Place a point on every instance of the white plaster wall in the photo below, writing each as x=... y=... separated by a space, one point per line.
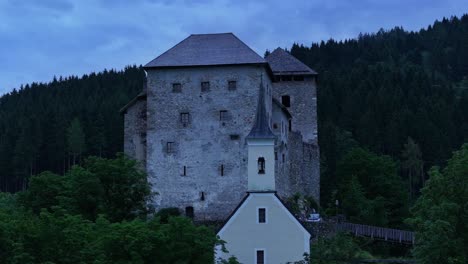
x=261 y=148
x=282 y=237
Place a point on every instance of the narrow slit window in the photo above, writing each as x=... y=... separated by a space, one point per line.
x=262 y=215
x=260 y=257
x=185 y=119
x=205 y=86
x=184 y=171
x=202 y=196
x=276 y=155
x=170 y=147
x=221 y=168
x=290 y=125
x=286 y=100
x=232 y=85
x=261 y=165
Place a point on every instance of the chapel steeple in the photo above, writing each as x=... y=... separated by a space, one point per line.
x=261 y=144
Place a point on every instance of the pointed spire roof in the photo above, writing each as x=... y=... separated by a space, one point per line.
x=261 y=128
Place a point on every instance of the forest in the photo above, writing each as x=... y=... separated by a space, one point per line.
x=392 y=118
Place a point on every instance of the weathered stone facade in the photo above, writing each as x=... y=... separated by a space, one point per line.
x=303 y=150
x=190 y=133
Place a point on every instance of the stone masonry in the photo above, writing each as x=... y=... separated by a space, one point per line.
x=188 y=127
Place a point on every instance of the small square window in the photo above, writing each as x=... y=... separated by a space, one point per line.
x=223 y=115
x=262 y=215
x=185 y=119
x=275 y=126
x=205 y=86
x=232 y=85
x=170 y=147
x=234 y=137
x=176 y=88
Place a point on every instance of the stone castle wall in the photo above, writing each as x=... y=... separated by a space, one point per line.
x=303 y=150
x=206 y=143
x=135 y=132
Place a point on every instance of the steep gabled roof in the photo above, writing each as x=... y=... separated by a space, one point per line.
x=243 y=202
x=207 y=49
x=283 y=63
x=261 y=128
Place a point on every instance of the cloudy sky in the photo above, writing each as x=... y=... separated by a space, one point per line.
x=43 y=38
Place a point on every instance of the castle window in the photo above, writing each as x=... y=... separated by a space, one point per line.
x=286 y=78
x=170 y=147
x=261 y=165
x=202 y=196
x=189 y=212
x=221 y=168
x=232 y=85
x=286 y=100
x=185 y=119
x=234 y=137
x=276 y=155
x=299 y=78
x=176 y=88
x=275 y=126
x=223 y=115
x=261 y=215
x=260 y=257
x=290 y=125
x=184 y=171
x=205 y=86
x=283 y=157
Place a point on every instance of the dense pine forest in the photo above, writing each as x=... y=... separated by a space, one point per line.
x=52 y=126
x=393 y=118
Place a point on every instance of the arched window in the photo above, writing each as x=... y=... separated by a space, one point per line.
x=261 y=165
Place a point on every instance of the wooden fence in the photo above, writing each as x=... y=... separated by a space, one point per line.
x=375 y=232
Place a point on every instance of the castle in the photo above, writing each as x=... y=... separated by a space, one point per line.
x=188 y=127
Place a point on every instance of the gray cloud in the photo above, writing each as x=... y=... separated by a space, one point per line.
x=40 y=39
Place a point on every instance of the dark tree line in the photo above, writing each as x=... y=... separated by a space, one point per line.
x=398 y=93
x=52 y=126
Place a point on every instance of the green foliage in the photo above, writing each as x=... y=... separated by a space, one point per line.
x=95 y=214
x=116 y=188
x=339 y=249
x=440 y=215
x=44 y=192
x=370 y=190
x=165 y=213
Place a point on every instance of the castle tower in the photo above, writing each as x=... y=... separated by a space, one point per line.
x=261 y=150
x=295 y=87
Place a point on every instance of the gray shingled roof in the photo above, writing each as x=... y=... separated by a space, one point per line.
x=261 y=128
x=207 y=49
x=283 y=63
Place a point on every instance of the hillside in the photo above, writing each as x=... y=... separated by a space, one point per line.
x=374 y=91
